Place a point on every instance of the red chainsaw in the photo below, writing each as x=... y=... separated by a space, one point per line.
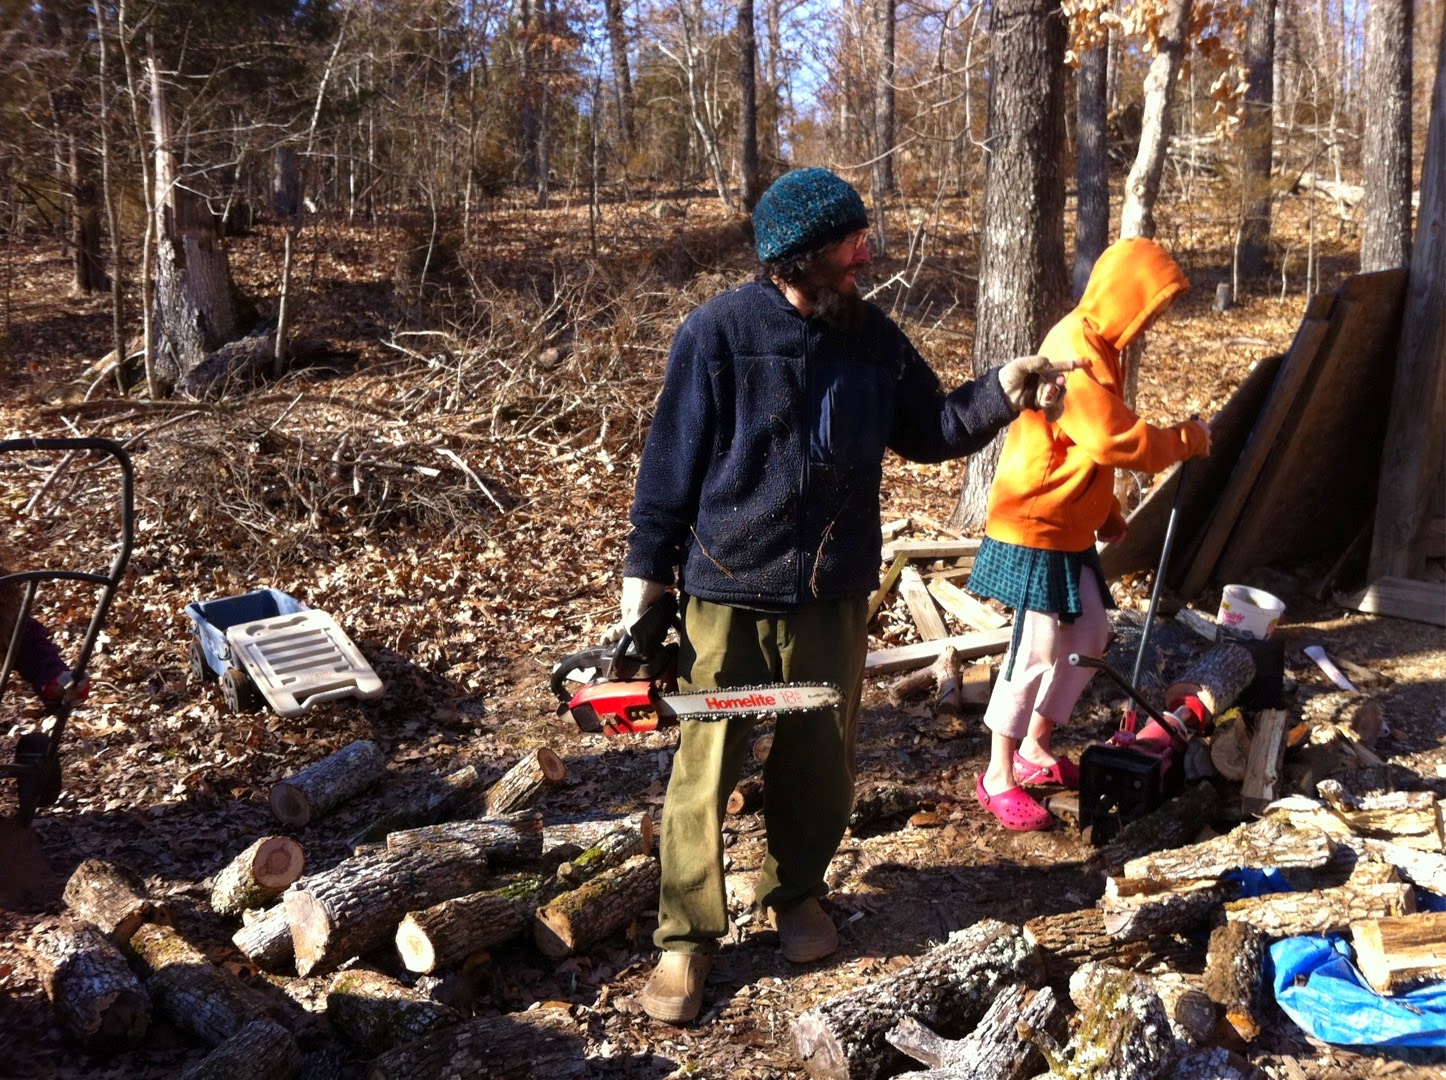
x=632 y=686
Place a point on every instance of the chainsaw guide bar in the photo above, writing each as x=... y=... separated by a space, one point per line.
x=615 y=708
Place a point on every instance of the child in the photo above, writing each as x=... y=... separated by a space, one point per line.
x=1052 y=498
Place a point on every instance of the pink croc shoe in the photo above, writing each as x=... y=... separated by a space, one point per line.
x=1014 y=808
x=1063 y=772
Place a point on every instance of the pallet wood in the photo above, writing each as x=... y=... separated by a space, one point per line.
x=1395 y=953
x=375 y=1013
x=1403 y=598
x=257 y=876
x=112 y=898
x=932 y=549
x=1235 y=976
x=921 y=606
x=426 y=806
x=994 y=1050
x=514 y=1046
x=1262 y=784
x=356 y=906
x=886 y=582
x=199 y=997
x=1321 y=479
x=521 y=785
x=1271 y=843
x=578 y=919
x=1322 y=911
x=1199 y=561
x=965 y=608
x=1205 y=478
x=950 y=986
x=96 y=996
x=513 y=839
x=921 y=654
x=324 y=785
x=265 y=938
x=443 y=935
x=262 y=1050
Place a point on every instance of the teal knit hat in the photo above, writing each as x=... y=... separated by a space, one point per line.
x=803 y=210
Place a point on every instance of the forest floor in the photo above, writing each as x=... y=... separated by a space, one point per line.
x=533 y=357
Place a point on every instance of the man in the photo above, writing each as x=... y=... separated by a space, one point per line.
x=758 y=493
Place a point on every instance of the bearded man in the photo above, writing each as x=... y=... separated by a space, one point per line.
x=758 y=498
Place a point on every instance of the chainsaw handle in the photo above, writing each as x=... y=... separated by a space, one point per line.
x=596 y=657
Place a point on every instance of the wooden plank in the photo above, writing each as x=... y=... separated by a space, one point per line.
x=1413 y=449
x=1401 y=598
x=932 y=549
x=1261 y=785
x=1196 y=567
x=921 y=605
x=891 y=529
x=1205 y=479
x=886 y=583
x=949 y=573
x=969 y=646
x=964 y=607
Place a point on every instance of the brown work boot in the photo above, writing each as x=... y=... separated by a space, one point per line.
x=674 y=993
x=806 y=932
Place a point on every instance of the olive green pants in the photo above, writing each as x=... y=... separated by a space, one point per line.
x=808 y=780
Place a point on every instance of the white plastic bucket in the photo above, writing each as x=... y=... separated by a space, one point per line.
x=1248 y=612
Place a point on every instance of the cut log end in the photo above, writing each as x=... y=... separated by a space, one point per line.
x=415 y=947
x=278 y=862
x=554 y=769
x=290 y=805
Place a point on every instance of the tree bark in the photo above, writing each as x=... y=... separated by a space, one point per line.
x=96 y=996
x=375 y=1013
x=424 y=807
x=1255 y=137
x=1178 y=822
x=324 y=785
x=511 y=1046
x=520 y=787
x=1271 y=843
x=1124 y=1028
x=1386 y=137
x=1235 y=975
x=1217 y=678
x=262 y=1050
x=1071 y=938
x=113 y=898
x=995 y=1049
x=1142 y=186
x=265 y=938
x=884 y=182
x=574 y=837
x=1022 y=284
x=578 y=919
x=1132 y=915
x=949 y=987
x=510 y=840
x=1092 y=203
x=200 y=998
x=622 y=81
x=445 y=934
x=1326 y=911
x=750 y=182
x=257 y=876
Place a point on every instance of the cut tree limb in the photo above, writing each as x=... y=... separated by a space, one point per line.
x=265 y=938
x=1175 y=823
x=257 y=876
x=746 y=797
x=994 y=1050
x=509 y=840
x=445 y=934
x=520 y=786
x=262 y=1050
x=1217 y=678
x=1140 y=915
x=1235 y=976
x=425 y=807
x=575 y=837
x=1324 y=911
x=904 y=657
x=113 y=898
x=1124 y=1030
x=513 y=1046
x=1271 y=843
x=205 y=1000
x=1395 y=953
x=324 y=785
x=96 y=995
x=1190 y=1012
x=375 y=1013
x=578 y=919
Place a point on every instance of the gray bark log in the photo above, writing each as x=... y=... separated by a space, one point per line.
x=257 y=876
x=515 y=1046
x=584 y=916
x=96 y=996
x=376 y=1013
x=326 y=784
x=444 y=934
x=994 y=1050
x=262 y=1050
x=425 y=807
x=200 y=998
x=265 y=938
x=112 y=898
x=1235 y=976
x=510 y=840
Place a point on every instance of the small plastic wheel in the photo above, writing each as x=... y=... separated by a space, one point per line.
x=40 y=784
x=239 y=691
x=199 y=667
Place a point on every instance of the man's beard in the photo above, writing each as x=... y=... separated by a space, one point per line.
x=840 y=309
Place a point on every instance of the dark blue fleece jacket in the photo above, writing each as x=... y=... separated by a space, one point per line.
x=761 y=473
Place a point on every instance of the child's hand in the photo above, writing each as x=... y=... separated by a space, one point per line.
x=1195 y=434
x=1114 y=528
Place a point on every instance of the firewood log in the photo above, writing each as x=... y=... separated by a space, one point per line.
x=205 y=1000
x=579 y=918
x=112 y=898
x=374 y=1012
x=1262 y=785
x=1070 y=938
x=878 y=802
x=994 y=1050
x=424 y=807
x=1235 y=976
x=1410 y=818
x=747 y=797
x=1394 y=953
x=1262 y=845
x=950 y=986
x=612 y=849
x=509 y=840
x=323 y=786
x=440 y=936
x=356 y=905
x=1190 y=1012
x=512 y=1046
x=1217 y=678
x=519 y=787
x=583 y=834
x=1325 y=911
x=262 y=1050
x=1230 y=750
x=1177 y=822
x=1135 y=910
x=97 y=997
x=1214 y=1063
x=1424 y=869
x=265 y=938
x=1124 y=1029
x=257 y=876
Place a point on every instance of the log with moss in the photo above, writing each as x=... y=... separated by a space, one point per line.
x=510 y=840
x=1123 y=1030
x=582 y=833
x=324 y=785
x=112 y=898
x=199 y=997
x=520 y=786
x=257 y=876
x=511 y=1046
x=583 y=916
x=429 y=804
x=96 y=996
x=262 y=1050
x=265 y=938
x=444 y=934
x=1179 y=821
x=374 y=1012
x=948 y=988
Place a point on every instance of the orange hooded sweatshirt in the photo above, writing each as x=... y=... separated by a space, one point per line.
x=1054 y=487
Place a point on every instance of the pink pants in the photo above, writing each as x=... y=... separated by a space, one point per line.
x=1042 y=680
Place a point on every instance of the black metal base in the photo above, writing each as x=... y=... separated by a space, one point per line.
x=1116 y=786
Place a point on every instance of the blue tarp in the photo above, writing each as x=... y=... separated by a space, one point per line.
x=1320 y=988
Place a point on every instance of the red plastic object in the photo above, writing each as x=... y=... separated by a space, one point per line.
x=617 y=708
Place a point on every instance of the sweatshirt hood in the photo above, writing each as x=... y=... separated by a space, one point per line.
x=1132 y=280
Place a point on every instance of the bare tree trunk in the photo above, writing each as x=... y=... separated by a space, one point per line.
x=1256 y=130
x=1143 y=184
x=1386 y=145
x=528 y=92
x=622 y=80
x=750 y=186
x=883 y=171
x=108 y=197
x=1022 y=283
x=1092 y=227
x=547 y=14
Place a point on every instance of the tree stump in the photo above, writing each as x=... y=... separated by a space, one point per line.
x=519 y=787
x=992 y=1051
x=444 y=934
x=323 y=786
x=265 y=938
x=96 y=996
x=577 y=919
x=257 y=876
x=948 y=988
x=210 y=1003
x=262 y=1050
x=356 y=905
x=510 y=840
x=112 y=898
x=424 y=807
x=1235 y=976
x=513 y=1046
x=1324 y=911
x=375 y=1013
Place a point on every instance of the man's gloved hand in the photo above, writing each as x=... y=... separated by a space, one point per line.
x=639 y=594
x=1036 y=382
x=64 y=690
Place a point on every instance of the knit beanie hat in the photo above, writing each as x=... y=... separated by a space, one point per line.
x=803 y=210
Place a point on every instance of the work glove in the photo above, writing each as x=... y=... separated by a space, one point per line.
x=65 y=690
x=1036 y=382
x=639 y=594
x=1195 y=434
